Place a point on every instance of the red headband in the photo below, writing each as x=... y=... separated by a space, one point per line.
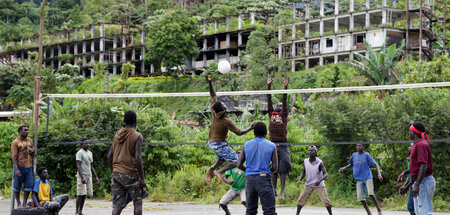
x=275 y=113
x=422 y=134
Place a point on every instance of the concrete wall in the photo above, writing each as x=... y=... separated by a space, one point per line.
x=323 y=45
x=344 y=43
x=375 y=37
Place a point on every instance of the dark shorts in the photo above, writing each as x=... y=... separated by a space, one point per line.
x=121 y=185
x=284 y=159
x=26 y=179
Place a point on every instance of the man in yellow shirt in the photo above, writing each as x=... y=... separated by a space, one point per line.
x=42 y=194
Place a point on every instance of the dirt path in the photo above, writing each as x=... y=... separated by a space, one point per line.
x=98 y=207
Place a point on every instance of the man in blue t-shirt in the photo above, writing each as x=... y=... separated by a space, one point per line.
x=259 y=153
x=361 y=162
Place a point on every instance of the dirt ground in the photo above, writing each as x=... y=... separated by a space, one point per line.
x=99 y=207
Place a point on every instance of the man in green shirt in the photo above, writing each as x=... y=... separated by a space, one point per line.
x=237 y=187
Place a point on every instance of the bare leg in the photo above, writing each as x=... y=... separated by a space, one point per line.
x=210 y=170
x=364 y=203
x=17 y=197
x=299 y=208
x=225 y=208
x=80 y=204
x=376 y=203
x=283 y=184
x=25 y=198
x=225 y=168
x=138 y=208
x=274 y=183
x=329 y=210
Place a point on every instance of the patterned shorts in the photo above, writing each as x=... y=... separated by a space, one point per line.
x=121 y=185
x=223 y=151
x=51 y=205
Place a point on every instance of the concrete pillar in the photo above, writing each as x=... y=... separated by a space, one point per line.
x=306 y=63
x=383 y=3
x=152 y=68
x=307 y=11
x=205 y=60
x=59 y=36
x=216 y=57
x=367 y=54
x=321 y=27
x=75 y=53
x=228 y=23
x=205 y=44
x=294 y=31
x=351 y=23
x=239 y=39
x=293 y=49
x=92 y=51
x=124 y=45
x=22 y=56
x=252 y=18
x=59 y=54
x=394 y=4
x=322 y=9
x=336 y=25
x=216 y=43
x=76 y=33
x=307 y=29
x=367 y=20
x=240 y=21
x=336 y=59
x=67 y=35
x=21 y=42
x=351 y=56
x=293 y=66
x=142 y=52
x=216 y=26
x=52 y=56
x=280 y=51
x=336 y=43
x=133 y=58
x=336 y=7
x=383 y=18
x=205 y=28
x=280 y=34
x=228 y=40
x=37 y=41
x=307 y=47
x=44 y=53
x=228 y=55
x=367 y=4
x=352 y=6
x=84 y=33
x=114 y=53
x=92 y=31
x=102 y=43
x=321 y=61
x=83 y=50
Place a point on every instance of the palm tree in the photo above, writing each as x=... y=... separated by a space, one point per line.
x=100 y=69
x=381 y=66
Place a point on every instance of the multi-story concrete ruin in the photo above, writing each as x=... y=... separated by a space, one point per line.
x=321 y=31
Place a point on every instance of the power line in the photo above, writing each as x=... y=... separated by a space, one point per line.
x=255 y=92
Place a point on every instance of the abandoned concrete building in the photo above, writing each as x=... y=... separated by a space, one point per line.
x=322 y=31
x=332 y=31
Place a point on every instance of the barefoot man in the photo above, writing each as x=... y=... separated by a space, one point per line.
x=218 y=133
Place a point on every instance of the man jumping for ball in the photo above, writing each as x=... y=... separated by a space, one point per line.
x=218 y=133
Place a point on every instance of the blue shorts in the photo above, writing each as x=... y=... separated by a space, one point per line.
x=26 y=179
x=223 y=151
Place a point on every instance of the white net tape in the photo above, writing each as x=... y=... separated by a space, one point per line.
x=255 y=92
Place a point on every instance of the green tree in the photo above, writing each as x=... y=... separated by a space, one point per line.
x=171 y=40
x=258 y=56
x=381 y=66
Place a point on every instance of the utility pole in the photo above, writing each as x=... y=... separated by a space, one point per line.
x=38 y=85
